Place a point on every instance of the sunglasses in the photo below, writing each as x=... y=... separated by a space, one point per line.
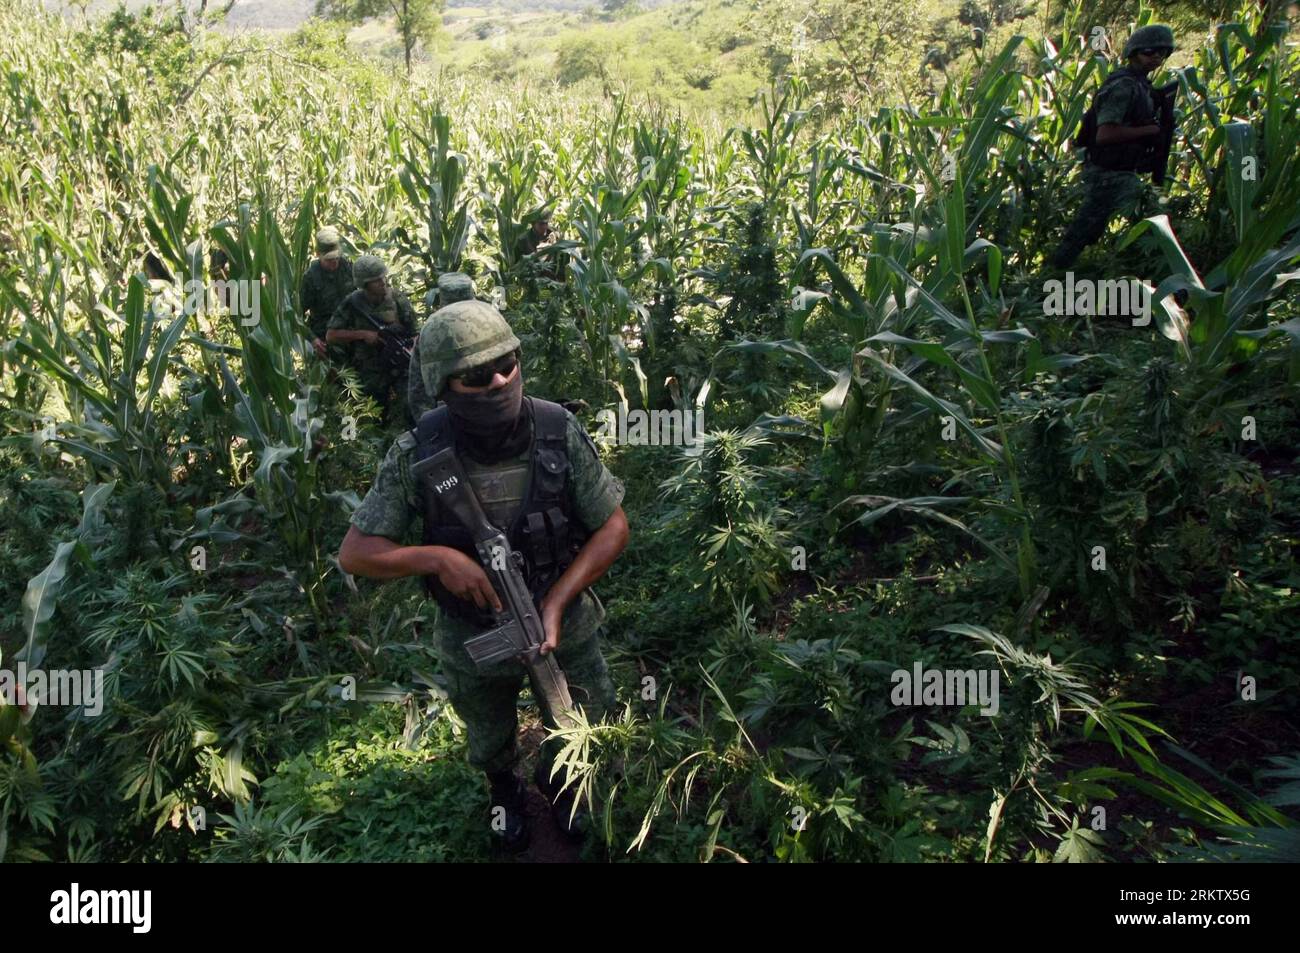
x=482 y=376
x=1160 y=51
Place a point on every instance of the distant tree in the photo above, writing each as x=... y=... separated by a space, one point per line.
x=197 y=14
x=417 y=21
x=581 y=56
x=617 y=7
x=852 y=48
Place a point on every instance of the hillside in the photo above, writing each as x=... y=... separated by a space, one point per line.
x=713 y=55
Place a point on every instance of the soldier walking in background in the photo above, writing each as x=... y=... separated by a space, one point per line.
x=1128 y=135
x=377 y=324
x=327 y=282
x=537 y=246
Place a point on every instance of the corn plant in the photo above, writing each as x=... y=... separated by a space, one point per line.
x=112 y=390
x=275 y=408
x=508 y=193
x=433 y=178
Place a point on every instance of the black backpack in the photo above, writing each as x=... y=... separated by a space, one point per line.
x=1086 y=137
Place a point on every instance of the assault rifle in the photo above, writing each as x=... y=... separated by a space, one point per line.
x=519 y=633
x=1156 y=158
x=396 y=344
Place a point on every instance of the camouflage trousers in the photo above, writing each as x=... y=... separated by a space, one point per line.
x=1105 y=192
x=487 y=701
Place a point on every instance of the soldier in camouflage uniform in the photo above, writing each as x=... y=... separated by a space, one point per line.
x=327 y=282
x=1126 y=126
x=452 y=287
x=537 y=247
x=538 y=232
x=509 y=445
x=351 y=326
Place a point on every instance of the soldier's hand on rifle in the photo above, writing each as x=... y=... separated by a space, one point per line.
x=552 y=614
x=373 y=337
x=464 y=578
x=319 y=346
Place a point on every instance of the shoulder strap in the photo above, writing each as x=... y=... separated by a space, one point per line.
x=550 y=424
x=432 y=432
x=1121 y=74
x=546 y=530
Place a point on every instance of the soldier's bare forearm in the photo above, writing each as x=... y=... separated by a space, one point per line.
x=378 y=557
x=592 y=561
x=343 y=337
x=1111 y=134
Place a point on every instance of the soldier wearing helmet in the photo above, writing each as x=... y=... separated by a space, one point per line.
x=1125 y=120
x=540 y=478
x=362 y=320
x=536 y=247
x=452 y=287
x=324 y=286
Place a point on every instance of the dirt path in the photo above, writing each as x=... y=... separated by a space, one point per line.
x=548 y=845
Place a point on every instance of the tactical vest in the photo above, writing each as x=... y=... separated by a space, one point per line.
x=544 y=532
x=1124 y=156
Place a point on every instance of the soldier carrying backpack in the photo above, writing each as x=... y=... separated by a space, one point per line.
x=1127 y=130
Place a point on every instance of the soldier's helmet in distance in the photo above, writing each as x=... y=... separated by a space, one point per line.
x=367 y=268
x=1152 y=35
x=328 y=243
x=452 y=286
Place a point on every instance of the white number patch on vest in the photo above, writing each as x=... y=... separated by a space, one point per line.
x=446 y=484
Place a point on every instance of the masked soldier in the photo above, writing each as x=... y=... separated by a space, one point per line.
x=378 y=324
x=452 y=287
x=327 y=282
x=539 y=478
x=1127 y=133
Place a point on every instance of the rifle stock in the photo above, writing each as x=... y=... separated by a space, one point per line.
x=1157 y=160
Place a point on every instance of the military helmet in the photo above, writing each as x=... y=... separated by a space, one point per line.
x=454 y=286
x=462 y=335
x=327 y=243
x=367 y=268
x=1153 y=35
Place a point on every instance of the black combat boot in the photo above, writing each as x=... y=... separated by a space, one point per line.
x=561 y=803
x=509 y=792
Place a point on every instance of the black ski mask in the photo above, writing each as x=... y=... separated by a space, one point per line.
x=488 y=424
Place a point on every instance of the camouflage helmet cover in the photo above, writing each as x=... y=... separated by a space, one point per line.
x=462 y=335
x=1153 y=35
x=327 y=243
x=454 y=286
x=367 y=268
